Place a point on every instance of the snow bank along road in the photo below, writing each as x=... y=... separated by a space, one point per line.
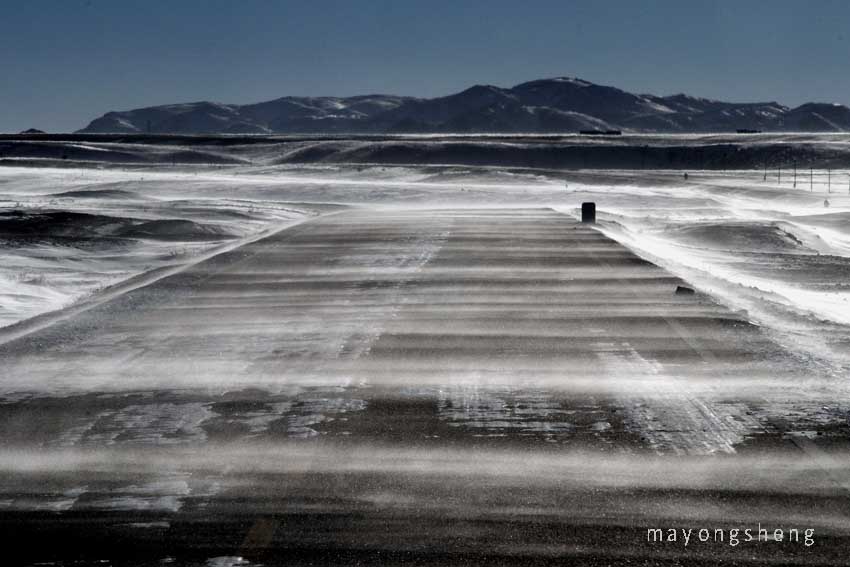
x=439 y=386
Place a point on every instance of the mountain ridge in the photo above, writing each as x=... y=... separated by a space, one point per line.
x=559 y=104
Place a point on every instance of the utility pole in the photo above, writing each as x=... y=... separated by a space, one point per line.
x=779 y=175
x=829 y=181
x=765 y=172
x=795 y=174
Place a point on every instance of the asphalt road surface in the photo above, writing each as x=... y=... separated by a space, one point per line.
x=480 y=387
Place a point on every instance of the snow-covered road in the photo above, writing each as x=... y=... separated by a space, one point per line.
x=431 y=358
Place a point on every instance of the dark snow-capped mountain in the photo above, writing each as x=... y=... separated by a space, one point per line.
x=549 y=105
x=286 y=114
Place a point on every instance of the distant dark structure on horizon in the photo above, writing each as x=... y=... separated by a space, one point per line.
x=747 y=131
x=600 y=132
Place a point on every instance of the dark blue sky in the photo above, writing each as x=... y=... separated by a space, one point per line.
x=64 y=62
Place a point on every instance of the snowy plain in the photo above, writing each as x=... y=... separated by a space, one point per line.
x=329 y=379
x=751 y=239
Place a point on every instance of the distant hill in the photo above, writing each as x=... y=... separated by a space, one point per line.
x=549 y=105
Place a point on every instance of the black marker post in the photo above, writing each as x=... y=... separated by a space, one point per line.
x=588 y=212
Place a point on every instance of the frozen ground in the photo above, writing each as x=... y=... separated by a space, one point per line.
x=429 y=364
x=778 y=252
x=759 y=245
x=67 y=234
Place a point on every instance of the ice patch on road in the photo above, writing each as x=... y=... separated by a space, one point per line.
x=226 y=561
x=147 y=424
x=672 y=420
x=497 y=411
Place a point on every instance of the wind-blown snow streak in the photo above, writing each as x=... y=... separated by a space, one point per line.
x=445 y=357
x=777 y=253
x=64 y=246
